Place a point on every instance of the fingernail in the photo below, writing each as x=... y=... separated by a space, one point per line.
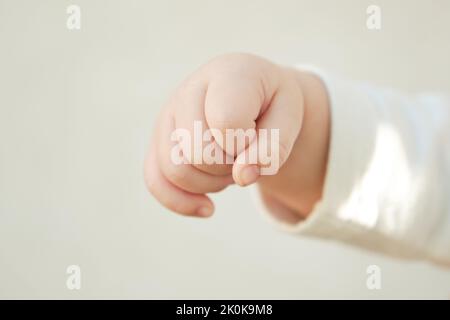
x=205 y=211
x=249 y=174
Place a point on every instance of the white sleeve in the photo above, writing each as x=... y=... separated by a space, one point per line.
x=387 y=186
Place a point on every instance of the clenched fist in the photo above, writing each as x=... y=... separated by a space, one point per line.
x=247 y=95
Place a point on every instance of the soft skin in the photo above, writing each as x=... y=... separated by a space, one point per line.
x=244 y=91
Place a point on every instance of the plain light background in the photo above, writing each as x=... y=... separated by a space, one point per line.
x=76 y=111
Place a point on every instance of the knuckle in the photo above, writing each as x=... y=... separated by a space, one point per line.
x=177 y=173
x=150 y=182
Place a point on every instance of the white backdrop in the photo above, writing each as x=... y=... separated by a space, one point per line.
x=76 y=110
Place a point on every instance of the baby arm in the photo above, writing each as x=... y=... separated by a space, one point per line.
x=360 y=164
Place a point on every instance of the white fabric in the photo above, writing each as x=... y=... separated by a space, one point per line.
x=387 y=185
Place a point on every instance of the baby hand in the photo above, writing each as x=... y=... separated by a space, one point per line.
x=239 y=92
